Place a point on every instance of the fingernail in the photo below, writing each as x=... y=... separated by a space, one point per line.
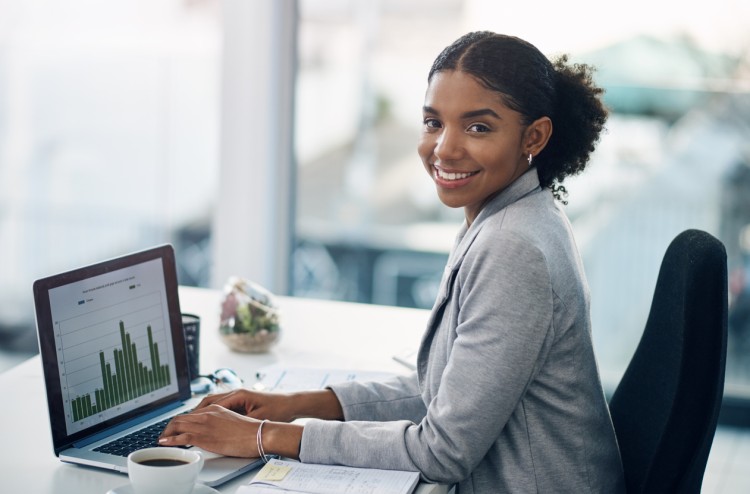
x=163 y=440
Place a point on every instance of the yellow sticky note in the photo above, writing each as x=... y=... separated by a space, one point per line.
x=273 y=473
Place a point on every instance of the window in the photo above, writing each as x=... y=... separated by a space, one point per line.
x=370 y=228
x=108 y=139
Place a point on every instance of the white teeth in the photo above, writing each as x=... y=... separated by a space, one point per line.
x=451 y=176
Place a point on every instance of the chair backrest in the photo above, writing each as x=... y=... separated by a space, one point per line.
x=666 y=406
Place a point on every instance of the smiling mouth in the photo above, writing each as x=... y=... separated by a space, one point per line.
x=443 y=175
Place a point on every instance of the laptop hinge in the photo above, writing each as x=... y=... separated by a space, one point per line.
x=126 y=425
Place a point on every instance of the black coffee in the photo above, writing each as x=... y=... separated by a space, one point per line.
x=163 y=462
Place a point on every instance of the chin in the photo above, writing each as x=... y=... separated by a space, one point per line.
x=451 y=202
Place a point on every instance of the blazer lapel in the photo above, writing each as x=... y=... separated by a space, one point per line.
x=524 y=185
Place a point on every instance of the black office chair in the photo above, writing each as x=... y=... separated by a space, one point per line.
x=666 y=406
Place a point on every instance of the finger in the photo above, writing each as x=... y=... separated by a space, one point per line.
x=177 y=424
x=209 y=400
x=232 y=400
x=180 y=433
x=217 y=430
x=170 y=429
x=178 y=440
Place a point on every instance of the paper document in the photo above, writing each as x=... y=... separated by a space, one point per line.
x=286 y=379
x=282 y=475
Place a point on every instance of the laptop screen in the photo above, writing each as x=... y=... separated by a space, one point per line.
x=111 y=340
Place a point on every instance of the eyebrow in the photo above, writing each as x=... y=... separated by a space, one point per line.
x=469 y=114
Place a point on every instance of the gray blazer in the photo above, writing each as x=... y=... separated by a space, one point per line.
x=507 y=395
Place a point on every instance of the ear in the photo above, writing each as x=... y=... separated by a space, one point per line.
x=537 y=135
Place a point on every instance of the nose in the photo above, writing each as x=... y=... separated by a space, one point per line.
x=449 y=145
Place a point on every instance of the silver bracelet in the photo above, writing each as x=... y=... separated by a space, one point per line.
x=259 y=439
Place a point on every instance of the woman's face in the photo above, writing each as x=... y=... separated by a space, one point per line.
x=471 y=143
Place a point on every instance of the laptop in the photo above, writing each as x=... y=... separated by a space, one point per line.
x=115 y=362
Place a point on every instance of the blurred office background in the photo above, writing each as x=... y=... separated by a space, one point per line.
x=276 y=140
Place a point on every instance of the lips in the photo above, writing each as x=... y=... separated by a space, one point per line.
x=445 y=176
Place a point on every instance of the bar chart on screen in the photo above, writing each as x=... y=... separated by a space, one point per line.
x=131 y=379
x=112 y=355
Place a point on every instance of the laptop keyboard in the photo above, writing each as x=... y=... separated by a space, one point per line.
x=147 y=437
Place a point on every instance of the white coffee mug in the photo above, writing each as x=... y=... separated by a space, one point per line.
x=160 y=470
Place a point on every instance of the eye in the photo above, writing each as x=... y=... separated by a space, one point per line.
x=478 y=128
x=432 y=123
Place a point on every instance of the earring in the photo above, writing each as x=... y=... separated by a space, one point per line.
x=530 y=159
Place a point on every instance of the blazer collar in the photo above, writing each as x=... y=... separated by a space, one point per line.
x=521 y=187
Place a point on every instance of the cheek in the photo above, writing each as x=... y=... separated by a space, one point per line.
x=425 y=147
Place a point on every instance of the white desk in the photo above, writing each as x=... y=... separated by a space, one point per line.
x=315 y=333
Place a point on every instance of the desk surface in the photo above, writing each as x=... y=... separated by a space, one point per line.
x=314 y=333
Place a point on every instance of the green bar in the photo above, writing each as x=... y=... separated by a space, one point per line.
x=128 y=367
x=110 y=388
x=144 y=379
x=130 y=362
x=118 y=374
x=139 y=389
x=87 y=408
x=115 y=392
x=134 y=366
x=105 y=401
x=120 y=369
x=157 y=367
x=147 y=379
x=166 y=375
x=152 y=374
x=136 y=371
x=124 y=362
x=74 y=407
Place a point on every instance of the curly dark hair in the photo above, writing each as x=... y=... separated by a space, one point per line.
x=532 y=85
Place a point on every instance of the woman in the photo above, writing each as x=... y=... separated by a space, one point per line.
x=507 y=396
